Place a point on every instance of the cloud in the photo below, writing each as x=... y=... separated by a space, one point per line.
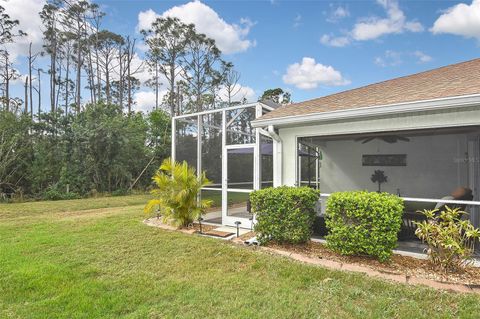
x=332 y=41
x=26 y=12
x=309 y=75
x=461 y=19
x=230 y=38
x=145 y=100
x=146 y=18
x=297 y=21
x=337 y=13
x=395 y=58
x=422 y=57
x=395 y=22
x=371 y=28
x=242 y=92
x=389 y=58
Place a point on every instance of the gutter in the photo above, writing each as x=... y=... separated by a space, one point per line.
x=372 y=111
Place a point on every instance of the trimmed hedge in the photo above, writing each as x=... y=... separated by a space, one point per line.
x=363 y=223
x=284 y=214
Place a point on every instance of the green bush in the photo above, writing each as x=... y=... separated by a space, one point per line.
x=450 y=239
x=52 y=193
x=284 y=214
x=363 y=223
x=121 y=192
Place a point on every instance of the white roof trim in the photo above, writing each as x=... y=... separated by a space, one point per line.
x=229 y=108
x=371 y=111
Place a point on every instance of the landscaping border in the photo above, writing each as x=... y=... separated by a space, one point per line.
x=400 y=278
x=342 y=266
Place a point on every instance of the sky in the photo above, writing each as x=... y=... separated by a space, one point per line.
x=308 y=48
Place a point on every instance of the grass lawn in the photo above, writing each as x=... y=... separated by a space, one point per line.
x=93 y=258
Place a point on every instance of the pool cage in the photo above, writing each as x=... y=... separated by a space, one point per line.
x=236 y=157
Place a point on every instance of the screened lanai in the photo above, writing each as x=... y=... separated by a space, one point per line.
x=236 y=157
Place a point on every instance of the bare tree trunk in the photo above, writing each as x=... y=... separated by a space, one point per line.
x=121 y=78
x=7 y=84
x=30 y=65
x=107 y=79
x=156 y=86
x=26 y=95
x=67 y=83
x=79 y=77
x=172 y=90
x=91 y=78
x=59 y=88
x=39 y=94
x=53 y=76
x=129 y=83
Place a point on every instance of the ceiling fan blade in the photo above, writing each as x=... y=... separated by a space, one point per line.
x=368 y=139
x=405 y=139
x=389 y=139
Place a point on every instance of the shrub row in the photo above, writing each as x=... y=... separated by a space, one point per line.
x=359 y=222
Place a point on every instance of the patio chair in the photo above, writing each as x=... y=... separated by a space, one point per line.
x=407 y=231
x=460 y=193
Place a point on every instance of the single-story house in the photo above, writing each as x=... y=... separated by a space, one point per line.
x=421 y=132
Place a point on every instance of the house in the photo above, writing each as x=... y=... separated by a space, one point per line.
x=421 y=131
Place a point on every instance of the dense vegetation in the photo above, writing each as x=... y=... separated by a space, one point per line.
x=284 y=214
x=363 y=223
x=100 y=149
x=68 y=120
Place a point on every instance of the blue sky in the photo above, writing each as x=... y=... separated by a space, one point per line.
x=315 y=48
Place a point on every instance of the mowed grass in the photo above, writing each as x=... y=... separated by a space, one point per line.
x=94 y=258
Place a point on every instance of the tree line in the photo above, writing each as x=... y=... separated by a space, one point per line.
x=89 y=64
x=84 y=137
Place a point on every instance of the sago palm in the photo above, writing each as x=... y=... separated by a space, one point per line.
x=177 y=193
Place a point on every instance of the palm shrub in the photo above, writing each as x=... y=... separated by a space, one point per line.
x=363 y=223
x=177 y=190
x=450 y=239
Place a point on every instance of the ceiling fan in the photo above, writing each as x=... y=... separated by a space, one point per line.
x=386 y=138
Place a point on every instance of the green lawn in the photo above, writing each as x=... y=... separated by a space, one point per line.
x=94 y=258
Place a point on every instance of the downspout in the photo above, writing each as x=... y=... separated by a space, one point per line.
x=277 y=156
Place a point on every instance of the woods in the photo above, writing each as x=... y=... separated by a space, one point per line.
x=70 y=128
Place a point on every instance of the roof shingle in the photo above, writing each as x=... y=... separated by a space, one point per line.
x=448 y=81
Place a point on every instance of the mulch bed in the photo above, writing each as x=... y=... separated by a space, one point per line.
x=217 y=233
x=193 y=228
x=401 y=265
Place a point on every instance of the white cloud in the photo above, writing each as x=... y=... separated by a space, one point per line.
x=145 y=100
x=395 y=22
x=332 y=41
x=395 y=58
x=297 y=21
x=309 y=75
x=390 y=58
x=371 y=28
x=26 y=12
x=146 y=18
x=241 y=92
x=422 y=57
x=337 y=13
x=230 y=38
x=461 y=19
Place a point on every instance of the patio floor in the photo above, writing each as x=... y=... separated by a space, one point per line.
x=215 y=217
